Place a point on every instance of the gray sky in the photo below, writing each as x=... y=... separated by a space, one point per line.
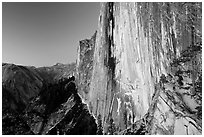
x=42 y=34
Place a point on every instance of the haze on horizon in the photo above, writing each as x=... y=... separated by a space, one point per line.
x=45 y=33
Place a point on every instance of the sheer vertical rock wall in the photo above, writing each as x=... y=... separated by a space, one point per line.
x=85 y=64
x=135 y=44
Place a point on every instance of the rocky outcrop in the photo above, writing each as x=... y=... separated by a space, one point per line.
x=59 y=110
x=84 y=63
x=136 y=49
x=19 y=85
x=139 y=74
x=43 y=101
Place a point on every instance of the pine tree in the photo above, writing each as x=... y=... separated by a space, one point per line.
x=99 y=127
x=112 y=127
x=125 y=117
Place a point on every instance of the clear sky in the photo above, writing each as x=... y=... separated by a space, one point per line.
x=43 y=34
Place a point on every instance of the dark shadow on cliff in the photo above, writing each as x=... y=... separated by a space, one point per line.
x=58 y=109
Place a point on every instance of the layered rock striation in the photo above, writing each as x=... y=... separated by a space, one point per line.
x=137 y=48
x=84 y=63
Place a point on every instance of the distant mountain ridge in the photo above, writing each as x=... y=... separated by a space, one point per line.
x=19 y=85
x=22 y=83
x=53 y=73
x=43 y=101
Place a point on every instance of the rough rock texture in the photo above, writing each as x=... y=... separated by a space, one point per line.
x=37 y=100
x=137 y=47
x=84 y=67
x=19 y=85
x=13 y=124
x=59 y=110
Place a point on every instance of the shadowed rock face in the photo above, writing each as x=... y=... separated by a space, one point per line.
x=53 y=107
x=137 y=47
x=59 y=110
x=22 y=83
x=19 y=85
x=140 y=74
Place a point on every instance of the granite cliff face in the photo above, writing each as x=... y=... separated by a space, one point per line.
x=85 y=64
x=146 y=68
x=140 y=73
